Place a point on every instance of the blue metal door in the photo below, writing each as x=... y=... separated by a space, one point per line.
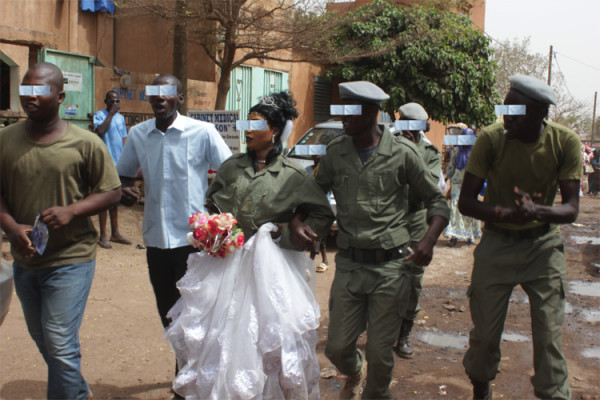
x=239 y=97
x=272 y=82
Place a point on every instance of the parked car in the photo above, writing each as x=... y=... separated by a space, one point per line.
x=321 y=133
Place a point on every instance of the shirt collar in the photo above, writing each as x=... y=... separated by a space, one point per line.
x=178 y=123
x=384 y=147
x=274 y=167
x=385 y=144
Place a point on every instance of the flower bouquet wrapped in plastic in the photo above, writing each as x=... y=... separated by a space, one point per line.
x=216 y=234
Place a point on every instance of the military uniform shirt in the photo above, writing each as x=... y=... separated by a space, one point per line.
x=533 y=167
x=269 y=195
x=372 y=199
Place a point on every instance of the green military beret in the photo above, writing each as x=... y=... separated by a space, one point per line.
x=533 y=88
x=362 y=91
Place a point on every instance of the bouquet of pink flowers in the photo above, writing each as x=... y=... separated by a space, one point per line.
x=215 y=234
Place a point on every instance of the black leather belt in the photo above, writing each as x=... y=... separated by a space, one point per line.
x=523 y=233
x=374 y=256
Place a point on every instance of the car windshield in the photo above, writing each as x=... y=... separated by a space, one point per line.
x=312 y=137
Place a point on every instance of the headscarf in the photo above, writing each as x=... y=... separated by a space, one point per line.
x=463 y=151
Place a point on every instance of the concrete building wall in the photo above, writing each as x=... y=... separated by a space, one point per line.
x=141 y=45
x=145 y=44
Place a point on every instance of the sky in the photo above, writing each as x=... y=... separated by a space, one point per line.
x=570 y=26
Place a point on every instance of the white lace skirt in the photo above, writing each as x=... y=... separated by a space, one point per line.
x=245 y=326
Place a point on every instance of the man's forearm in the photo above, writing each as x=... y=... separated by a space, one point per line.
x=471 y=207
x=103 y=127
x=96 y=203
x=436 y=227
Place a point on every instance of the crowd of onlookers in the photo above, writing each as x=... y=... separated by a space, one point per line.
x=590 y=184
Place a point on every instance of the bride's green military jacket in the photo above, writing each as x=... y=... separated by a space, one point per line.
x=270 y=195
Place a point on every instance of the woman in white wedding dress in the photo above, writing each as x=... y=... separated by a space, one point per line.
x=245 y=326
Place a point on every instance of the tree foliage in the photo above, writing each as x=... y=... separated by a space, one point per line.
x=514 y=57
x=423 y=54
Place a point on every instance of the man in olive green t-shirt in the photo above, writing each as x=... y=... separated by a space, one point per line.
x=525 y=160
x=65 y=174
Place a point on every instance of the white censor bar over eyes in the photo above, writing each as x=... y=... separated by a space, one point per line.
x=513 y=109
x=251 y=125
x=345 y=109
x=410 y=125
x=310 y=149
x=34 y=90
x=459 y=140
x=161 y=90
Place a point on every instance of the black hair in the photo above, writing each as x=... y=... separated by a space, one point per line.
x=172 y=79
x=277 y=108
x=52 y=73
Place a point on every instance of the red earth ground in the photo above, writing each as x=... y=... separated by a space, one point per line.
x=126 y=357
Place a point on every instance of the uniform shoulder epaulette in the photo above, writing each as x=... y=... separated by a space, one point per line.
x=402 y=141
x=234 y=157
x=337 y=140
x=430 y=146
x=292 y=164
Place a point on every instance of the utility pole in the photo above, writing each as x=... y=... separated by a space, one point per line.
x=550 y=66
x=594 y=118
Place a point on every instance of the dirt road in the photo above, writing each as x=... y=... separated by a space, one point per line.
x=126 y=357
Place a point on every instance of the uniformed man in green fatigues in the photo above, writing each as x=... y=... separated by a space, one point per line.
x=370 y=171
x=417 y=216
x=524 y=161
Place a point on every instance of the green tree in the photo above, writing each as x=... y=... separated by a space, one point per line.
x=423 y=54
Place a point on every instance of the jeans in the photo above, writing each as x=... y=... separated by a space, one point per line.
x=53 y=302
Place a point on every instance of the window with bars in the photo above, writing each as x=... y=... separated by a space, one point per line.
x=322 y=99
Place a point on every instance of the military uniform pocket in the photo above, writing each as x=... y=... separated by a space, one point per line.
x=383 y=186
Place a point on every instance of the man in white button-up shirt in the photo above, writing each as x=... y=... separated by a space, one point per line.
x=174 y=153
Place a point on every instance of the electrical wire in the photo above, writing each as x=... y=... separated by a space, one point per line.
x=554 y=52
x=554 y=55
x=577 y=61
x=564 y=80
